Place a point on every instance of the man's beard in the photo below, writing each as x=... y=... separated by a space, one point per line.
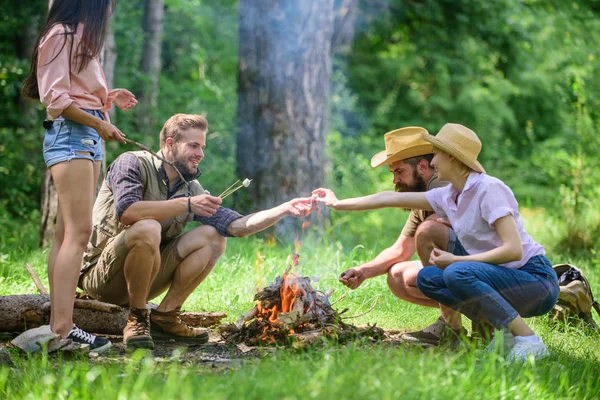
x=418 y=185
x=181 y=164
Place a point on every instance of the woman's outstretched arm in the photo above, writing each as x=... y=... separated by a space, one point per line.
x=415 y=200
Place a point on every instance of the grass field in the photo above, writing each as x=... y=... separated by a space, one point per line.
x=357 y=370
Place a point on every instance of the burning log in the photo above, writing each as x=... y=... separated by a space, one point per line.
x=291 y=311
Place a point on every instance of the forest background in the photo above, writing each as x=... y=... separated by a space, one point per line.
x=523 y=74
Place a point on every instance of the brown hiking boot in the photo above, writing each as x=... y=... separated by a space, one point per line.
x=436 y=334
x=136 y=334
x=168 y=325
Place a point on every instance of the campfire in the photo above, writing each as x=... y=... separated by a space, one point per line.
x=291 y=312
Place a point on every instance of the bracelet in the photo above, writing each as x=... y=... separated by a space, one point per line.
x=189 y=205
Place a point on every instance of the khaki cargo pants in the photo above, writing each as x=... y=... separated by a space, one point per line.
x=106 y=282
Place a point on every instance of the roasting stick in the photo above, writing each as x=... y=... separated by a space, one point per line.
x=233 y=188
x=225 y=191
x=144 y=148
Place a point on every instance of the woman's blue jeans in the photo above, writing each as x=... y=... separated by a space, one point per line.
x=480 y=290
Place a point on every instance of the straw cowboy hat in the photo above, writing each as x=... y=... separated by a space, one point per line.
x=460 y=142
x=401 y=144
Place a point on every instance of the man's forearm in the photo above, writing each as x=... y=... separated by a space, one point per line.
x=157 y=210
x=256 y=222
x=381 y=264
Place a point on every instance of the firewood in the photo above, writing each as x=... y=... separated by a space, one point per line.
x=204 y=319
x=21 y=312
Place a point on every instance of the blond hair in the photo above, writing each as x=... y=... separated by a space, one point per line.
x=180 y=123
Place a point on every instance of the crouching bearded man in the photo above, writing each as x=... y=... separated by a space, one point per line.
x=137 y=250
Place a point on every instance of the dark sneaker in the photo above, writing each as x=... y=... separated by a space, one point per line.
x=136 y=334
x=438 y=333
x=97 y=344
x=168 y=325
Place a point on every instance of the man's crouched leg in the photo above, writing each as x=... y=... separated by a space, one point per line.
x=194 y=254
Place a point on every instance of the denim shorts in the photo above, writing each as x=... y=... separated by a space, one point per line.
x=455 y=246
x=67 y=140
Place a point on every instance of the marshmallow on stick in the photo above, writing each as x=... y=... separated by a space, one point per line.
x=236 y=186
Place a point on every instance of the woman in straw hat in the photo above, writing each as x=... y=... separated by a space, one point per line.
x=505 y=275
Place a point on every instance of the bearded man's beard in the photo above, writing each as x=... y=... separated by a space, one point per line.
x=418 y=184
x=181 y=163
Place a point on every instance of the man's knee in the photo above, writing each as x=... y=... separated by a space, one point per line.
x=204 y=236
x=402 y=276
x=144 y=233
x=432 y=232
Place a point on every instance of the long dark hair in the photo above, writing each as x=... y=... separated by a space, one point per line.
x=93 y=14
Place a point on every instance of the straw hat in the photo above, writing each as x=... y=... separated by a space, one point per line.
x=460 y=142
x=401 y=144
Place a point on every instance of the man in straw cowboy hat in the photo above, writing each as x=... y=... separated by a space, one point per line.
x=408 y=157
x=504 y=275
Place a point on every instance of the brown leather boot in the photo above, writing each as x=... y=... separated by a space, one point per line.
x=168 y=325
x=136 y=334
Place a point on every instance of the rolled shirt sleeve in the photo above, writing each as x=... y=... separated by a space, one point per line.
x=220 y=220
x=53 y=71
x=498 y=201
x=124 y=178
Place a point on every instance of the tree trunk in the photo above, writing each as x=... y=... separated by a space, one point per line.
x=21 y=312
x=49 y=210
x=346 y=13
x=283 y=89
x=150 y=63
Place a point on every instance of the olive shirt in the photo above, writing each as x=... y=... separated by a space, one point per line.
x=416 y=217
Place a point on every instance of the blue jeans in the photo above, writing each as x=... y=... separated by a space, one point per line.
x=67 y=140
x=480 y=290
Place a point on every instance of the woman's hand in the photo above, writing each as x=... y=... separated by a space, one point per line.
x=441 y=258
x=108 y=131
x=125 y=100
x=325 y=196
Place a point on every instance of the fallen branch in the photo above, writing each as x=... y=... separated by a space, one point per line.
x=36 y=279
x=95 y=305
x=21 y=312
x=337 y=301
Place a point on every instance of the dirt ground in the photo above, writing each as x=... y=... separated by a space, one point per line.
x=216 y=354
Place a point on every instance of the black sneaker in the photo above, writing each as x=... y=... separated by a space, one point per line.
x=97 y=344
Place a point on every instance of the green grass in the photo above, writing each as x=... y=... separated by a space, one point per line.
x=359 y=370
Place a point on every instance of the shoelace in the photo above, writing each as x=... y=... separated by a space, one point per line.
x=141 y=326
x=81 y=334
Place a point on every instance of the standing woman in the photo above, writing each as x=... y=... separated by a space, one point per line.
x=67 y=78
x=505 y=275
